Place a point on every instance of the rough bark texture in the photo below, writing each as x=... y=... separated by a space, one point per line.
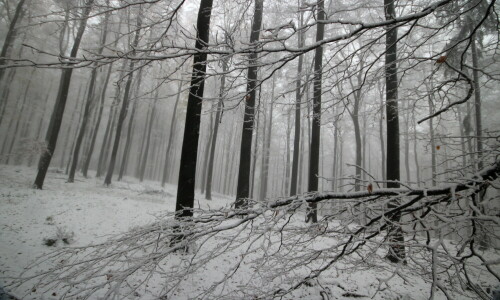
x=395 y=234
x=243 y=187
x=312 y=214
x=62 y=96
x=187 y=172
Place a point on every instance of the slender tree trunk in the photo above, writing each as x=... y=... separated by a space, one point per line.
x=83 y=126
x=357 y=134
x=128 y=142
x=166 y=167
x=395 y=232
x=312 y=214
x=363 y=149
x=415 y=153
x=407 y=143
x=208 y=194
x=10 y=37
x=57 y=115
x=462 y=137
x=106 y=141
x=287 y=162
x=301 y=161
x=266 y=149
x=207 y=152
x=255 y=148
x=298 y=103
x=123 y=109
x=477 y=104
x=137 y=170
x=86 y=164
x=335 y=154
x=40 y=123
x=187 y=170
x=381 y=135
x=148 y=138
x=131 y=126
x=228 y=161
x=433 y=141
x=18 y=120
x=242 y=190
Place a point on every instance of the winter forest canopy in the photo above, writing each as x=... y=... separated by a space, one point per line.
x=324 y=149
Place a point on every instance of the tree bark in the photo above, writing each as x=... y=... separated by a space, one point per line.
x=187 y=170
x=298 y=103
x=242 y=190
x=148 y=139
x=381 y=136
x=57 y=115
x=395 y=234
x=477 y=103
x=312 y=214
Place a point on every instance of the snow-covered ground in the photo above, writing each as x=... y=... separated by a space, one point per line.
x=88 y=212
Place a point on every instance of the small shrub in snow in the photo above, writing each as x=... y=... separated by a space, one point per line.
x=62 y=234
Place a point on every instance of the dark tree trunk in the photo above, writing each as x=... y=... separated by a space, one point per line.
x=10 y=37
x=57 y=114
x=148 y=139
x=208 y=194
x=395 y=233
x=187 y=170
x=166 y=168
x=298 y=103
x=312 y=213
x=242 y=189
x=123 y=109
x=477 y=103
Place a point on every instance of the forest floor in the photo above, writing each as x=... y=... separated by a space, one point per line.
x=88 y=212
